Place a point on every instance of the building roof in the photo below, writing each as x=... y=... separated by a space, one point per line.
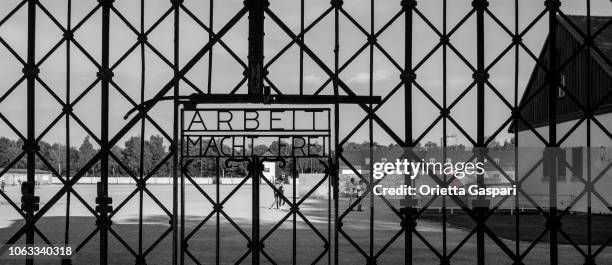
x=603 y=41
x=577 y=28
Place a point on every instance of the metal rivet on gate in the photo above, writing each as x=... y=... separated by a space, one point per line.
x=372 y=40
x=67 y=108
x=480 y=76
x=445 y=112
x=517 y=39
x=444 y=39
x=68 y=35
x=176 y=3
x=141 y=184
x=515 y=113
x=30 y=71
x=142 y=38
x=337 y=3
x=30 y=146
x=552 y=5
x=140 y=260
x=408 y=4
x=408 y=76
x=106 y=3
x=105 y=74
x=480 y=4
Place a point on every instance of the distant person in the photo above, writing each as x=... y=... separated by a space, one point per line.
x=351 y=191
x=358 y=192
x=275 y=203
x=281 y=195
x=2 y=184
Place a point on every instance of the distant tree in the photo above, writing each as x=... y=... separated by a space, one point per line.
x=157 y=151
x=131 y=154
x=8 y=151
x=86 y=152
x=430 y=145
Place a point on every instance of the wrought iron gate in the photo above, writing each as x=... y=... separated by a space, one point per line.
x=33 y=53
x=208 y=143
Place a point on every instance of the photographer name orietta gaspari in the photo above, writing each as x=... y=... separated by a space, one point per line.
x=413 y=168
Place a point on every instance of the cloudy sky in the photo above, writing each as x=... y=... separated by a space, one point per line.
x=284 y=73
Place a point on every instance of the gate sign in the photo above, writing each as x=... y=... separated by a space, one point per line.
x=231 y=132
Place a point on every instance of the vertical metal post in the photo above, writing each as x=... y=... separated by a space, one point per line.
x=67 y=125
x=174 y=147
x=255 y=169
x=553 y=86
x=105 y=75
x=218 y=221
x=256 y=44
x=294 y=215
x=517 y=41
x=444 y=41
x=407 y=77
x=480 y=205
x=371 y=41
x=30 y=70
x=140 y=258
x=335 y=166
x=590 y=259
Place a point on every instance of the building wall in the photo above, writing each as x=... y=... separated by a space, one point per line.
x=527 y=138
x=270 y=170
x=569 y=187
x=15 y=178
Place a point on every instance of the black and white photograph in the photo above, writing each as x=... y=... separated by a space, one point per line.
x=173 y=132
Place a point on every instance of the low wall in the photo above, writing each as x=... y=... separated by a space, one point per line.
x=11 y=179
x=158 y=180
